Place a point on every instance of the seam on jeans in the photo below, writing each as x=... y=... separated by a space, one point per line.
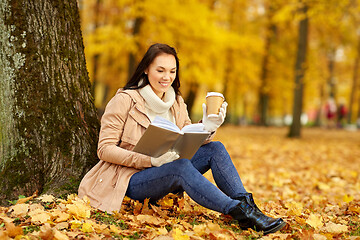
x=232 y=189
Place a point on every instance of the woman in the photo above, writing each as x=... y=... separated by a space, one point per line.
x=152 y=91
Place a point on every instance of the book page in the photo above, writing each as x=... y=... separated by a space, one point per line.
x=195 y=128
x=164 y=123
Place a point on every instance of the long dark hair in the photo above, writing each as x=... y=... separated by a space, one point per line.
x=139 y=74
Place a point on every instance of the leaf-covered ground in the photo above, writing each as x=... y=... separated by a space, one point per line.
x=312 y=182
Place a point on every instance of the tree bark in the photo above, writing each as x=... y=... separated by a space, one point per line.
x=354 y=85
x=132 y=57
x=48 y=122
x=295 y=127
x=264 y=97
x=190 y=98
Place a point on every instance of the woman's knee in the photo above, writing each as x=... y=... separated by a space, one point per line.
x=216 y=146
x=182 y=165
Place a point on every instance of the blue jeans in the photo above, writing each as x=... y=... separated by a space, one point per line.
x=186 y=175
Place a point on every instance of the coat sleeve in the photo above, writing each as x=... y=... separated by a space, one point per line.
x=112 y=128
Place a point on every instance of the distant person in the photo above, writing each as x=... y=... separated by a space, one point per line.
x=330 y=111
x=152 y=91
x=341 y=113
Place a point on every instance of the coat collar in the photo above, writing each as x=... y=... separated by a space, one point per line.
x=139 y=104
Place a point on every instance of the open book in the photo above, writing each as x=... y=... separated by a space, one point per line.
x=163 y=135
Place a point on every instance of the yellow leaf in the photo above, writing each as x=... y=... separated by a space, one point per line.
x=87 y=228
x=149 y=219
x=62 y=225
x=295 y=208
x=348 y=198
x=319 y=237
x=24 y=200
x=20 y=209
x=3 y=235
x=355 y=209
x=41 y=217
x=75 y=224
x=335 y=228
x=79 y=209
x=315 y=221
x=60 y=236
x=162 y=231
x=179 y=235
x=200 y=229
x=323 y=186
x=21 y=237
x=46 y=198
x=12 y=230
x=167 y=202
x=114 y=229
x=213 y=227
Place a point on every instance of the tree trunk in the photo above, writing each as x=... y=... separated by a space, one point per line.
x=132 y=57
x=48 y=121
x=264 y=88
x=354 y=84
x=331 y=79
x=190 y=98
x=299 y=75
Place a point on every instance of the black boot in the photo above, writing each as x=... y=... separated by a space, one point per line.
x=249 y=215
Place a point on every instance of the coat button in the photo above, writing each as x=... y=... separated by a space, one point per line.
x=100 y=180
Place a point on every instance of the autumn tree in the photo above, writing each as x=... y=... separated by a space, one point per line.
x=299 y=73
x=48 y=122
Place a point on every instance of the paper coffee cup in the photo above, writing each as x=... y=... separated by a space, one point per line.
x=213 y=102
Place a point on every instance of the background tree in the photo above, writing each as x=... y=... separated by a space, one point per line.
x=48 y=122
x=299 y=72
x=223 y=47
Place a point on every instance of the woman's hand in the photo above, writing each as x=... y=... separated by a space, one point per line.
x=165 y=158
x=213 y=121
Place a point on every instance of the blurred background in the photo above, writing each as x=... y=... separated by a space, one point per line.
x=245 y=49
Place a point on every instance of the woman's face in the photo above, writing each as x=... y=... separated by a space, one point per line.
x=161 y=73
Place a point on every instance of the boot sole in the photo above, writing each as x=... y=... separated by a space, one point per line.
x=275 y=229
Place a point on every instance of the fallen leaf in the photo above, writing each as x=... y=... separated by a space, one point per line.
x=177 y=234
x=335 y=228
x=46 y=198
x=62 y=225
x=79 y=210
x=147 y=219
x=295 y=208
x=87 y=228
x=24 y=200
x=60 y=236
x=319 y=237
x=12 y=230
x=75 y=224
x=166 y=202
x=347 y=198
x=60 y=216
x=48 y=234
x=3 y=235
x=20 y=210
x=40 y=218
x=315 y=221
x=114 y=229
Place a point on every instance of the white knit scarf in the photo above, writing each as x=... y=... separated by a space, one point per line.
x=156 y=106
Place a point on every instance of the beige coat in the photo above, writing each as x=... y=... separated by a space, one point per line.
x=122 y=125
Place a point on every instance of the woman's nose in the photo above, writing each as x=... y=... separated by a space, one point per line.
x=166 y=76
